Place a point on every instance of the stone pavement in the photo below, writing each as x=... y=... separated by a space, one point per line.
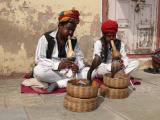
x=142 y=104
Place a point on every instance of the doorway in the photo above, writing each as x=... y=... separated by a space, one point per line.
x=137 y=21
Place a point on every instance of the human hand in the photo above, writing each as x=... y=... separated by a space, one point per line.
x=65 y=63
x=74 y=68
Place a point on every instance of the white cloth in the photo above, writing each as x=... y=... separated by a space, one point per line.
x=47 y=69
x=34 y=82
x=47 y=74
x=130 y=65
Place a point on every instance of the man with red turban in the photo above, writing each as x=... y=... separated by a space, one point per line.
x=103 y=48
x=52 y=64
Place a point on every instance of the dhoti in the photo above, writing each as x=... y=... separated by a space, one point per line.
x=47 y=74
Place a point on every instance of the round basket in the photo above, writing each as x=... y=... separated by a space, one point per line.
x=114 y=93
x=78 y=91
x=80 y=105
x=121 y=74
x=119 y=81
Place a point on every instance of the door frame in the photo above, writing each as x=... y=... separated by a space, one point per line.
x=105 y=16
x=158 y=26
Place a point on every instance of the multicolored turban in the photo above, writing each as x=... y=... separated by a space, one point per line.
x=69 y=15
x=109 y=26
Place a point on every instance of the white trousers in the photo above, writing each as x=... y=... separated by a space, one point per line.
x=104 y=68
x=46 y=74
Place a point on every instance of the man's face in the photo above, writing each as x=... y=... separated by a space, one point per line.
x=67 y=30
x=109 y=36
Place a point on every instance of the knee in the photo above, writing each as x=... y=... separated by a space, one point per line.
x=103 y=69
x=83 y=73
x=38 y=72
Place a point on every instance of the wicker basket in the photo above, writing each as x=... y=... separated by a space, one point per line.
x=114 y=93
x=80 y=105
x=121 y=74
x=119 y=81
x=81 y=91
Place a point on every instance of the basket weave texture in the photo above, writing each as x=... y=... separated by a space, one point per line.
x=115 y=93
x=80 y=105
x=81 y=91
x=119 y=81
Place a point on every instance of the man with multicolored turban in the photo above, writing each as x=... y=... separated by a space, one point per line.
x=103 y=48
x=70 y=15
x=52 y=64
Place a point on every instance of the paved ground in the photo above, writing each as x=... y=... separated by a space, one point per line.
x=142 y=104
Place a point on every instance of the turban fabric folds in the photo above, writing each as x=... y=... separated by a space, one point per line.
x=109 y=26
x=69 y=15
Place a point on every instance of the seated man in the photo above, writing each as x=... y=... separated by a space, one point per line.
x=102 y=47
x=52 y=64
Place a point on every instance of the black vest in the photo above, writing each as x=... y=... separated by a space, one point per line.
x=106 y=49
x=51 y=44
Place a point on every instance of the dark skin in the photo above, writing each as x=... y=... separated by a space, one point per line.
x=111 y=36
x=65 y=30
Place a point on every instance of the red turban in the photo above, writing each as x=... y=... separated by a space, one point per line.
x=70 y=15
x=109 y=26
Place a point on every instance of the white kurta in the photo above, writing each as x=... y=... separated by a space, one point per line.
x=105 y=67
x=47 y=69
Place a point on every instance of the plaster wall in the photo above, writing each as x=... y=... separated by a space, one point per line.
x=22 y=22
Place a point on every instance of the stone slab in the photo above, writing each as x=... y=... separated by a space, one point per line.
x=13 y=114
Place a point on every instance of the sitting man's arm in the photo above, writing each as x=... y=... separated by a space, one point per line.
x=97 y=48
x=124 y=56
x=40 y=57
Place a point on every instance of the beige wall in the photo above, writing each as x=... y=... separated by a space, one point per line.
x=22 y=22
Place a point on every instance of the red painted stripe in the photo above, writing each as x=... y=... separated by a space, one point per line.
x=104 y=10
x=158 y=26
x=139 y=55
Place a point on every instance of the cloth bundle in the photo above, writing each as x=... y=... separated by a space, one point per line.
x=156 y=58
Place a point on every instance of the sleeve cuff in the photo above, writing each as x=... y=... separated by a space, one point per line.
x=55 y=66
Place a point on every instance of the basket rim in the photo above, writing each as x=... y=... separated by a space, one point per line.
x=74 y=99
x=109 y=75
x=118 y=79
x=69 y=83
x=111 y=88
x=92 y=107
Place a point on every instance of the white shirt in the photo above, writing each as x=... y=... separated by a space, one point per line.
x=41 y=59
x=98 y=50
